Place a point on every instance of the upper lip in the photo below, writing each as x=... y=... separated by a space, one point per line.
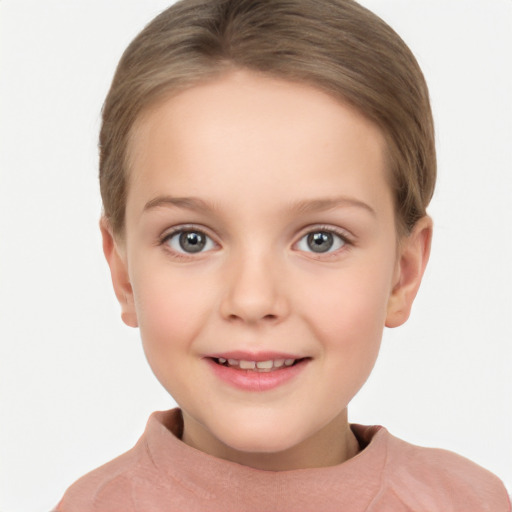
x=242 y=355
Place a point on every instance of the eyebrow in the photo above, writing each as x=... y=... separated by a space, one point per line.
x=301 y=207
x=188 y=203
x=315 y=205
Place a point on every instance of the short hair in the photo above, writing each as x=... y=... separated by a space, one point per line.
x=337 y=46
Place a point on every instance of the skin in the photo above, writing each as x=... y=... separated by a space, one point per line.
x=264 y=155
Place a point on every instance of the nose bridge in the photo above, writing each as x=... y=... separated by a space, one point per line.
x=254 y=285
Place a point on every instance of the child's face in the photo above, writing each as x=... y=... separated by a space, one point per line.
x=259 y=226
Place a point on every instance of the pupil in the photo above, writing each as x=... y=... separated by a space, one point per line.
x=320 y=242
x=192 y=241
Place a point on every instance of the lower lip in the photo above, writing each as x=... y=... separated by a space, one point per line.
x=250 y=380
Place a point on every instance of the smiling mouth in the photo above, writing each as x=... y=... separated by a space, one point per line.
x=257 y=366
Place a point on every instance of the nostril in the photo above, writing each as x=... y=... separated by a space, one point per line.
x=269 y=318
x=253 y=307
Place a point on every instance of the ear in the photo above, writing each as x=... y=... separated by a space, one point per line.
x=412 y=259
x=116 y=259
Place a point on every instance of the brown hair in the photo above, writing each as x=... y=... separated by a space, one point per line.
x=335 y=45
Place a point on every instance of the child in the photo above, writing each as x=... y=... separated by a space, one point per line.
x=265 y=171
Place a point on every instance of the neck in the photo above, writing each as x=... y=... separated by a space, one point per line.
x=333 y=444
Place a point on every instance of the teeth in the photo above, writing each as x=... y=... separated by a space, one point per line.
x=257 y=365
x=265 y=364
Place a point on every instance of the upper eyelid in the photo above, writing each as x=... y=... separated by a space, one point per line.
x=341 y=232
x=169 y=232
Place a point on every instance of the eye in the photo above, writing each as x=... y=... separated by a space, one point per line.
x=189 y=241
x=321 y=241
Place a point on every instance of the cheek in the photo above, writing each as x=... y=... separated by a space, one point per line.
x=171 y=308
x=349 y=310
x=349 y=321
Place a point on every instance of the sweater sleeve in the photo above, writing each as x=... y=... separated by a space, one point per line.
x=435 y=480
x=110 y=496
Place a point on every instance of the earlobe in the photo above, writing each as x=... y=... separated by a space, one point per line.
x=412 y=261
x=119 y=272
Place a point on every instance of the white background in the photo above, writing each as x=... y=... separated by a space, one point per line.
x=75 y=387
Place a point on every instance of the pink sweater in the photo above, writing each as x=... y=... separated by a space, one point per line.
x=163 y=474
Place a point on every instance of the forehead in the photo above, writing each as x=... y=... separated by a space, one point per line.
x=253 y=132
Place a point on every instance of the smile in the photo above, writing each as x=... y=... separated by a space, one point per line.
x=258 y=366
x=258 y=372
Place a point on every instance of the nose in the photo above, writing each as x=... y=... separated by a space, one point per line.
x=254 y=291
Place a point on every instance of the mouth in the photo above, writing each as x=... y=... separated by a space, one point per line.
x=269 y=365
x=257 y=372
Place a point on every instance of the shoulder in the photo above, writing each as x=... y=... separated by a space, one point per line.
x=108 y=484
x=441 y=479
x=116 y=485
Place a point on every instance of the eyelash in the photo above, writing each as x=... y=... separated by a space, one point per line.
x=343 y=235
x=183 y=229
